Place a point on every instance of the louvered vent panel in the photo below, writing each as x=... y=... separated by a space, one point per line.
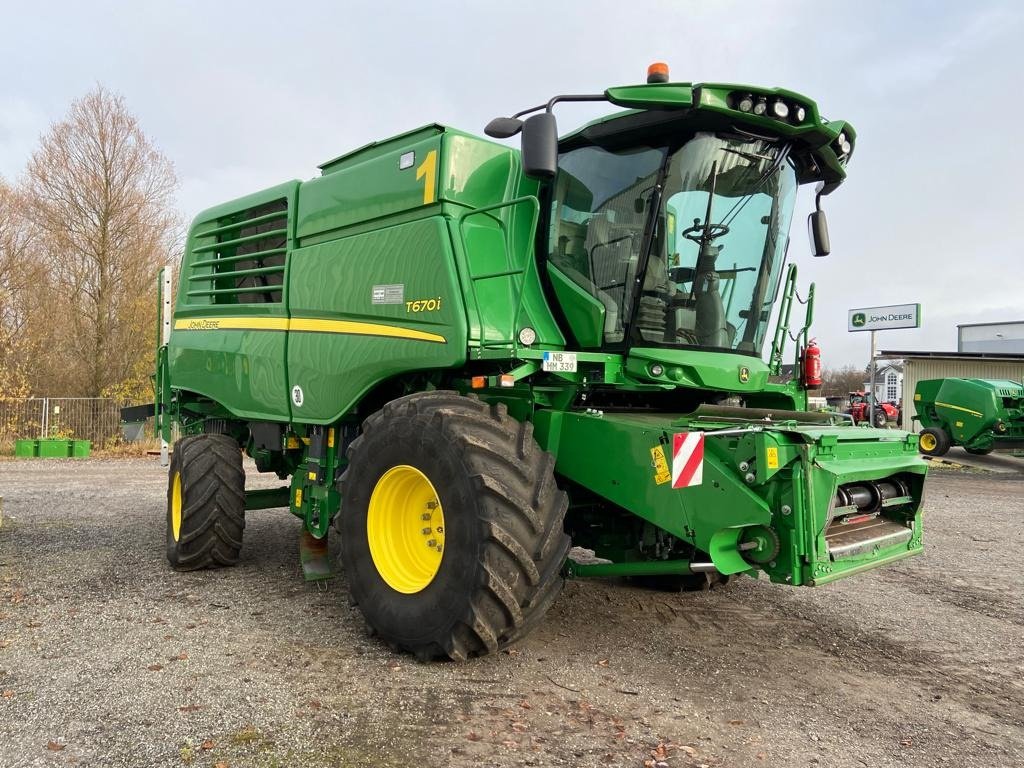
x=243 y=263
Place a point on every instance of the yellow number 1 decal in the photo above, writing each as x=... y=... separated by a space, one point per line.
x=428 y=172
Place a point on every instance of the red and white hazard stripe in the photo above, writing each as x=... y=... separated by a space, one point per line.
x=687 y=459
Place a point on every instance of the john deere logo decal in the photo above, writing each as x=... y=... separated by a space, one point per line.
x=858 y=319
x=744 y=374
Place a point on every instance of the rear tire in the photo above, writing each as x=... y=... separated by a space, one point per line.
x=205 y=503
x=880 y=418
x=933 y=441
x=503 y=539
x=980 y=451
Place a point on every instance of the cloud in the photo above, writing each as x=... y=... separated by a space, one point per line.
x=923 y=51
x=242 y=96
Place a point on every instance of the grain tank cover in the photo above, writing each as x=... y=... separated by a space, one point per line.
x=415 y=173
x=379 y=148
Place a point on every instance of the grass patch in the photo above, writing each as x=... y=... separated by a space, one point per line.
x=247 y=735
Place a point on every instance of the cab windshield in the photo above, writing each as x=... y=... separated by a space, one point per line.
x=681 y=246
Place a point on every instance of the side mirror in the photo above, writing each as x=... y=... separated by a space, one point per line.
x=540 y=146
x=503 y=127
x=817 y=231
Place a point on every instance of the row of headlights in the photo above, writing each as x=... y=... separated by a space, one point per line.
x=843 y=144
x=762 y=106
x=780 y=109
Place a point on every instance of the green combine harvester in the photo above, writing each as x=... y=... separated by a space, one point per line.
x=979 y=414
x=466 y=357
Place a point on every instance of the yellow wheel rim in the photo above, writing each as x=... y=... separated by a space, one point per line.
x=405 y=529
x=928 y=442
x=176 y=505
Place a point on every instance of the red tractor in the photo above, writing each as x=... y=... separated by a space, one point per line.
x=860 y=408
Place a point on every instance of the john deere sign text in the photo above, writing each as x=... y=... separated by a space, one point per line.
x=885 y=318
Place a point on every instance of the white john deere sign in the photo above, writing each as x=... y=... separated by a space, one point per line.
x=885 y=318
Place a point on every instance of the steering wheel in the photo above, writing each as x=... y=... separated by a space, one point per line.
x=699 y=232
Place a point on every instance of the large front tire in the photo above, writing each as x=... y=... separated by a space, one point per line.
x=451 y=526
x=205 y=503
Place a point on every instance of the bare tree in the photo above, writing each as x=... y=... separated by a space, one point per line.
x=20 y=278
x=100 y=196
x=837 y=382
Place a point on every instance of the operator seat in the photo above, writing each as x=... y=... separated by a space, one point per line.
x=710 y=325
x=711 y=328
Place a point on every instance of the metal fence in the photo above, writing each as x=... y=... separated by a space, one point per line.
x=84 y=418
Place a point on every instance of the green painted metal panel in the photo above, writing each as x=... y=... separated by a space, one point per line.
x=494 y=232
x=475 y=172
x=583 y=312
x=626 y=475
x=492 y=277
x=241 y=369
x=368 y=185
x=211 y=351
x=700 y=369
x=651 y=95
x=398 y=278
x=380 y=148
x=496 y=257
x=783 y=477
x=480 y=188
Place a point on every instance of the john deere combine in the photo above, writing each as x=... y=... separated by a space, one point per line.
x=466 y=356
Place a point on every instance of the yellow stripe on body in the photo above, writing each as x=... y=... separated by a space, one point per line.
x=959 y=408
x=305 y=324
x=361 y=329
x=232 y=324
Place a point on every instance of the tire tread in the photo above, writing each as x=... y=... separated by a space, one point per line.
x=213 y=507
x=523 y=542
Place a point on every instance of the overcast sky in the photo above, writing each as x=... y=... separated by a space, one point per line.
x=243 y=95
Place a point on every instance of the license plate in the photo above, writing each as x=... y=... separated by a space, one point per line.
x=559 y=362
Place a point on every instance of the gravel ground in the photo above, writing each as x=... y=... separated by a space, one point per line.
x=108 y=658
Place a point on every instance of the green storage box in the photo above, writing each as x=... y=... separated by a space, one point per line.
x=80 y=449
x=54 y=449
x=26 y=449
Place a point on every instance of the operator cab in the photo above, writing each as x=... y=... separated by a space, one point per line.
x=667 y=224
x=682 y=243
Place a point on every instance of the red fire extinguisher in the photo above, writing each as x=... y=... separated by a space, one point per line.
x=812 y=366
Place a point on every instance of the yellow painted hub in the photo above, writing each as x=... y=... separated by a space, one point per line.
x=405 y=529
x=928 y=442
x=176 y=505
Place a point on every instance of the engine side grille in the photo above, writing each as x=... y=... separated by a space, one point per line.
x=244 y=261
